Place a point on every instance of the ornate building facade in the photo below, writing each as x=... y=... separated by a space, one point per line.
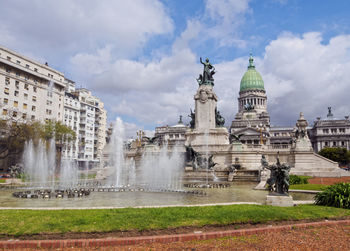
x=330 y=132
x=252 y=122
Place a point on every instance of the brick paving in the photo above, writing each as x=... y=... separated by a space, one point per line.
x=328 y=180
x=206 y=241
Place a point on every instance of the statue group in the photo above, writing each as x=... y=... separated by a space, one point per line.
x=197 y=160
x=279 y=176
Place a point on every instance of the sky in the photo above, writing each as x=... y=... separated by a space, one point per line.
x=141 y=57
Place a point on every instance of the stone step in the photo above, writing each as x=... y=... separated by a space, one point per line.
x=253 y=179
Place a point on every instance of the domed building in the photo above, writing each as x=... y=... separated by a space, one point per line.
x=252 y=119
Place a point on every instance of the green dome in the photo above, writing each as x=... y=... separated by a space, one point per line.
x=252 y=79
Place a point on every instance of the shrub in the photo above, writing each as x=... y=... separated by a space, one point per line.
x=337 y=154
x=337 y=195
x=295 y=179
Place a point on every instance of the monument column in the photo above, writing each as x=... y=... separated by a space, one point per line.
x=207 y=125
x=205 y=104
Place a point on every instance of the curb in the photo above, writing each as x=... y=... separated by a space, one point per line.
x=159 y=238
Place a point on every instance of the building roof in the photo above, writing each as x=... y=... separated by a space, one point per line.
x=252 y=79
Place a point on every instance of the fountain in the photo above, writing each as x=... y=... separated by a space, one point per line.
x=39 y=163
x=158 y=168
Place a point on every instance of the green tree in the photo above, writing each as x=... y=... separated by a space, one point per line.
x=338 y=154
x=15 y=132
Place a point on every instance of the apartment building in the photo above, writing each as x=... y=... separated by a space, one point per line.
x=72 y=120
x=29 y=90
x=92 y=130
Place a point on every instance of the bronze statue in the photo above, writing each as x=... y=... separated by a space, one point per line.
x=235 y=138
x=279 y=176
x=193 y=119
x=197 y=160
x=249 y=106
x=219 y=120
x=207 y=77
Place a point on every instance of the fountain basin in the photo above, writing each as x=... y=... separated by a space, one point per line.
x=235 y=193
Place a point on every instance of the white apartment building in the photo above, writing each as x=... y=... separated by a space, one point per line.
x=100 y=131
x=92 y=129
x=33 y=91
x=29 y=90
x=72 y=120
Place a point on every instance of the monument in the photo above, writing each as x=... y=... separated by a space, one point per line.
x=207 y=134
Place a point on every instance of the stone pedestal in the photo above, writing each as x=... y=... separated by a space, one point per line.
x=201 y=137
x=279 y=200
x=264 y=174
x=230 y=176
x=205 y=103
x=303 y=144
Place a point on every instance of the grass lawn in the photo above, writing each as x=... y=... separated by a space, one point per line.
x=20 y=222
x=2 y=180
x=317 y=187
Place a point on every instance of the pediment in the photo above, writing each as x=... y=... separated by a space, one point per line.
x=248 y=131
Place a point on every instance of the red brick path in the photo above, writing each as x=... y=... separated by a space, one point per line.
x=328 y=180
x=95 y=243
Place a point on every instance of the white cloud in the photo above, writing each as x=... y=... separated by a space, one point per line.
x=306 y=74
x=227 y=16
x=82 y=25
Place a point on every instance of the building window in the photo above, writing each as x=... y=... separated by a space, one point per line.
x=24 y=116
x=9 y=58
x=25 y=96
x=14 y=114
x=17 y=84
x=35 y=69
x=34 y=98
x=18 y=74
x=334 y=130
x=16 y=93
x=15 y=103
x=4 y=111
x=26 y=87
x=6 y=101
x=7 y=91
x=343 y=143
x=326 y=143
x=33 y=108
x=18 y=62
x=24 y=106
x=27 y=66
x=34 y=89
x=33 y=117
x=334 y=143
x=342 y=130
x=326 y=131
x=7 y=80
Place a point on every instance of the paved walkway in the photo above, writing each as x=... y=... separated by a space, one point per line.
x=160 y=206
x=113 y=242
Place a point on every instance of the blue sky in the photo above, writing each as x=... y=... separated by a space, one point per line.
x=141 y=57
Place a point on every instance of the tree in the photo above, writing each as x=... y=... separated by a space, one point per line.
x=15 y=130
x=338 y=154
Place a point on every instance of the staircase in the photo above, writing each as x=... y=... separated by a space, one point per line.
x=244 y=175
